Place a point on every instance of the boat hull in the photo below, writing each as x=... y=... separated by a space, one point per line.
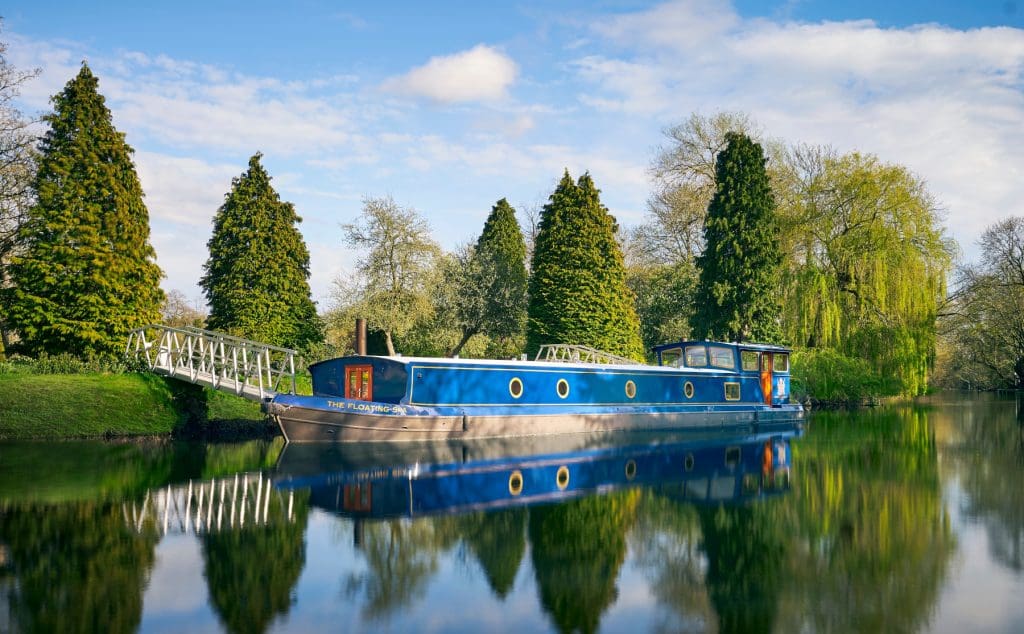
x=310 y=419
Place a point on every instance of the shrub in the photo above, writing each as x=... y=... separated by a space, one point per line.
x=824 y=377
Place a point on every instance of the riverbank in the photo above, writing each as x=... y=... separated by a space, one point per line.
x=114 y=405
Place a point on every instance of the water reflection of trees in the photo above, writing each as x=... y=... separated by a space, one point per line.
x=871 y=538
x=498 y=541
x=401 y=557
x=578 y=548
x=992 y=460
x=251 y=572
x=77 y=567
x=861 y=543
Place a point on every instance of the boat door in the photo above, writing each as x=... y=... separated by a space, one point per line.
x=766 y=376
x=359 y=382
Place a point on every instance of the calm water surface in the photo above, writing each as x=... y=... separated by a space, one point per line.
x=906 y=518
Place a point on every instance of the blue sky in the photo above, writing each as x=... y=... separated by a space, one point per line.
x=449 y=106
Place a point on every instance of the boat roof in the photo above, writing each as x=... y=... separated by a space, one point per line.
x=746 y=345
x=437 y=361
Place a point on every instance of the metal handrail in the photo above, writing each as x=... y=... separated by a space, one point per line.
x=571 y=353
x=247 y=368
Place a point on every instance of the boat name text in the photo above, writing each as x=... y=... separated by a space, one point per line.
x=370 y=408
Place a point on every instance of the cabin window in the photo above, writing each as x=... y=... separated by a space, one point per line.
x=671 y=357
x=732 y=391
x=749 y=360
x=781 y=362
x=696 y=356
x=630 y=389
x=722 y=357
x=732 y=456
x=515 y=387
x=688 y=389
x=562 y=388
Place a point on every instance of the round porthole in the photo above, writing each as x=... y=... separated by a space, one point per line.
x=515 y=483
x=630 y=469
x=515 y=387
x=688 y=462
x=630 y=389
x=688 y=389
x=562 y=477
x=562 y=388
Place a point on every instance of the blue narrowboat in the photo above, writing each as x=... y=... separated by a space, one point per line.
x=744 y=387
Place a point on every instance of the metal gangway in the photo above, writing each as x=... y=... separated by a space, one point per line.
x=570 y=353
x=209 y=506
x=250 y=369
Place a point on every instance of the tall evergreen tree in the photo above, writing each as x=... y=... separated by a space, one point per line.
x=578 y=292
x=737 y=293
x=257 y=276
x=87 y=274
x=494 y=297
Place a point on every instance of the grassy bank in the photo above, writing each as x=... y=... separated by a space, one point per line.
x=91 y=405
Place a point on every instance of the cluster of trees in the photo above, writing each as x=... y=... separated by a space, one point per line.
x=748 y=238
x=77 y=269
x=864 y=257
x=983 y=332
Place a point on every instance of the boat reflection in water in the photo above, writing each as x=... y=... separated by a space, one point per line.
x=389 y=480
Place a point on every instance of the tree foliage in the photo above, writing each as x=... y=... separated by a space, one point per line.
x=394 y=277
x=737 y=297
x=86 y=275
x=578 y=292
x=17 y=170
x=683 y=172
x=256 y=279
x=986 y=329
x=492 y=294
x=868 y=263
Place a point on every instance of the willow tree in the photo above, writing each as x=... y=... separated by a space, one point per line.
x=737 y=297
x=257 y=276
x=868 y=265
x=578 y=292
x=86 y=272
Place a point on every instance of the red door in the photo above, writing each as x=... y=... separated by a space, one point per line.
x=359 y=382
x=766 y=376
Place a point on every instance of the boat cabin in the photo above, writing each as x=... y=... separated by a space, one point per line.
x=769 y=363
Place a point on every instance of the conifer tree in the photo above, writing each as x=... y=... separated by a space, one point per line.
x=257 y=276
x=87 y=274
x=493 y=300
x=578 y=292
x=737 y=293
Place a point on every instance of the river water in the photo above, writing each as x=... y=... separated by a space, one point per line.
x=900 y=519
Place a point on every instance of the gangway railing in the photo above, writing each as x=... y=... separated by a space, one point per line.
x=570 y=353
x=250 y=369
x=209 y=506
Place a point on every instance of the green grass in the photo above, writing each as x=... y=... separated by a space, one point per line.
x=94 y=405
x=84 y=405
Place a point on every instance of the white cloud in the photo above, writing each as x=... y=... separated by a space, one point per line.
x=480 y=74
x=685 y=25
x=946 y=103
x=184 y=190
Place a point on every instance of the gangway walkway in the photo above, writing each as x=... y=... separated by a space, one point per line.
x=254 y=370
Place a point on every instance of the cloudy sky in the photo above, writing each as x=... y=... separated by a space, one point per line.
x=449 y=106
